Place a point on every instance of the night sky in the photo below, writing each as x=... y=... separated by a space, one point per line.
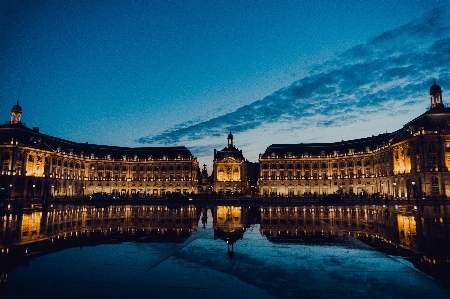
x=148 y=73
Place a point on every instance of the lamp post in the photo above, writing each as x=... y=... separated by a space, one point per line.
x=414 y=190
x=32 y=198
x=10 y=191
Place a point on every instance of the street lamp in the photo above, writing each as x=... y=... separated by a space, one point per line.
x=414 y=189
x=10 y=190
x=394 y=187
x=32 y=199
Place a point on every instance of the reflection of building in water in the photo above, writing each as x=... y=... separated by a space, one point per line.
x=422 y=229
x=409 y=163
x=396 y=224
x=421 y=233
x=229 y=225
x=37 y=232
x=65 y=221
x=35 y=165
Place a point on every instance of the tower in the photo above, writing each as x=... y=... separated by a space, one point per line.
x=230 y=140
x=16 y=114
x=436 y=96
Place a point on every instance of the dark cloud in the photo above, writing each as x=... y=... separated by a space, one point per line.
x=396 y=65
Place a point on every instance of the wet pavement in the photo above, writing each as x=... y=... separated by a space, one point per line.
x=215 y=261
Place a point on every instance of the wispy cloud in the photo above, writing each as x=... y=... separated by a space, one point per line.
x=388 y=76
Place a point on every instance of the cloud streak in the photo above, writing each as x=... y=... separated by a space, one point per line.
x=387 y=76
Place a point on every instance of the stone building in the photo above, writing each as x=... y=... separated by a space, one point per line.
x=230 y=170
x=36 y=165
x=412 y=162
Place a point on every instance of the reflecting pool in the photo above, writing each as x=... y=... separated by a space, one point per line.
x=156 y=251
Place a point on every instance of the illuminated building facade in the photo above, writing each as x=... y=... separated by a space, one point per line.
x=412 y=162
x=230 y=170
x=36 y=166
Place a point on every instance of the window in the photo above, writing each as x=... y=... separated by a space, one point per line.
x=335 y=174
x=434 y=185
x=432 y=161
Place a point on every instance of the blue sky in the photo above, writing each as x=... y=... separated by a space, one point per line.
x=138 y=73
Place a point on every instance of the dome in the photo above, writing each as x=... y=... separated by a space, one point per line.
x=435 y=88
x=230 y=136
x=16 y=108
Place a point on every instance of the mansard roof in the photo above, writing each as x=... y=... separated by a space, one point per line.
x=308 y=150
x=436 y=119
x=32 y=138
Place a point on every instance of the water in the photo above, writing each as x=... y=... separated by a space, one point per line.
x=73 y=251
